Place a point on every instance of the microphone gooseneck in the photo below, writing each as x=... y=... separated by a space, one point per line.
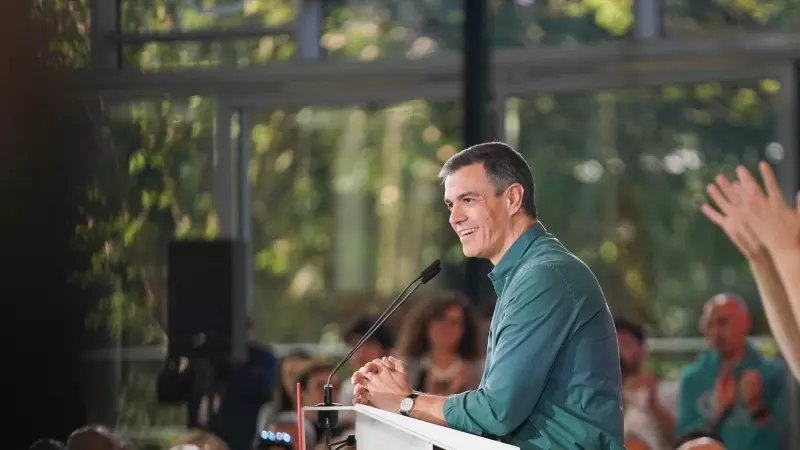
x=424 y=277
x=328 y=419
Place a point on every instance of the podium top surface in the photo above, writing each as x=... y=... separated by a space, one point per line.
x=443 y=437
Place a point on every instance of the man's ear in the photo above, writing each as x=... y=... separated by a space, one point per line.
x=513 y=197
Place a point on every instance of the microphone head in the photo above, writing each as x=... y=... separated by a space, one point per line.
x=431 y=271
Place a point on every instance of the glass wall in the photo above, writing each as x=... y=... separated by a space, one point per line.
x=362 y=30
x=192 y=15
x=620 y=177
x=346 y=206
x=153 y=185
x=524 y=23
x=706 y=17
x=347 y=209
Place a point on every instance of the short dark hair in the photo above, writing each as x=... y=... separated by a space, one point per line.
x=626 y=325
x=383 y=335
x=504 y=166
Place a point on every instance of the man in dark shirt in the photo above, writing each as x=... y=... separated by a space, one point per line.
x=552 y=378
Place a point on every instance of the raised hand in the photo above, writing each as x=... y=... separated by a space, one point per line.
x=776 y=224
x=724 y=392
x=728 y=197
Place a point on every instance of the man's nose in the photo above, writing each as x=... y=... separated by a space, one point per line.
x=456 y=216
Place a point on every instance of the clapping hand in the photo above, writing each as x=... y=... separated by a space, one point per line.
x=768 y=215
x=752 y=219
x=731 y=218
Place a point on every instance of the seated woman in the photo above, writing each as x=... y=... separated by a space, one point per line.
x=439 y=341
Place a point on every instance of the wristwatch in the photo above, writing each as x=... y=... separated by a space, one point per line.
x=407 y=404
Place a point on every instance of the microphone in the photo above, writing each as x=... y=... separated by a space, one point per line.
x=328 y=420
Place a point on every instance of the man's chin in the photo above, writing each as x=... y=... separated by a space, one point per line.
x=470 y=252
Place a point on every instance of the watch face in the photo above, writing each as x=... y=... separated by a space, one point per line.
x=406 y=404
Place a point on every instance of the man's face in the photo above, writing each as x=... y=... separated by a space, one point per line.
x=447 y=330
x=725 y=325
x=479 y=216
x=631 y=351
x=369 y=351
x=290 y=369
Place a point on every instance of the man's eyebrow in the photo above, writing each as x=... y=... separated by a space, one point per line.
x=462 y=195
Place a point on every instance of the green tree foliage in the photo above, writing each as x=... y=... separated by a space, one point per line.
x=346 y=203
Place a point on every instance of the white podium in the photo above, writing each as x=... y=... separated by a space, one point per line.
x=381 y=430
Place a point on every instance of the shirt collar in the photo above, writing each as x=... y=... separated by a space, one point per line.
x=512 y=256
x=751 y=357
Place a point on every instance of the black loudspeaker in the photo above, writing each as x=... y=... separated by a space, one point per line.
x=206 y=315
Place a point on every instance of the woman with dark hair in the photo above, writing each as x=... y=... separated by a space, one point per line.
x=291 y=366
x=439 y=341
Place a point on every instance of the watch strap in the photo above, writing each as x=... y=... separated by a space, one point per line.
x=412 y=396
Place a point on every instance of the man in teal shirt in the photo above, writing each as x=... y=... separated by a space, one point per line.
x=731 y=390
x=552 y=377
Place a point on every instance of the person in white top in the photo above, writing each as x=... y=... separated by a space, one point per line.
x=648 y=403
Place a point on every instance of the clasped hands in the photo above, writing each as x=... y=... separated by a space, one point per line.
x=382 y=383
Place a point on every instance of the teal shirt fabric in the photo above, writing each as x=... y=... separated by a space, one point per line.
x=552 y=378
x=739 y=431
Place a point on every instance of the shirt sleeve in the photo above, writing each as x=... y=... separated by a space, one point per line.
x=689 y=419
x=536 y=318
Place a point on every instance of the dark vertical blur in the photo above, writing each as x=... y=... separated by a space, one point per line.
x=795 y=141
x=479 y=119
x=45 y=147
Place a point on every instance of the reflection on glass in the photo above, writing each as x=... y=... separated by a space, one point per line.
x=523 y=23
x=163 y=15
x=154 y=185
x=235 y=53
x=375 y=29
x=366 y=29
x=697 y=17
x=620 y=177
x=347 y=209
x=71 y=20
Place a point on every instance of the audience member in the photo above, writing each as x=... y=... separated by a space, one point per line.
x=700 y=440
x=291 y=366
x=648 y=403
x=378 y=346
x=95 y=437
x=767 y=232
x=200 y=440
x=731 y=389
x=312 y=384
x=439 y=344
